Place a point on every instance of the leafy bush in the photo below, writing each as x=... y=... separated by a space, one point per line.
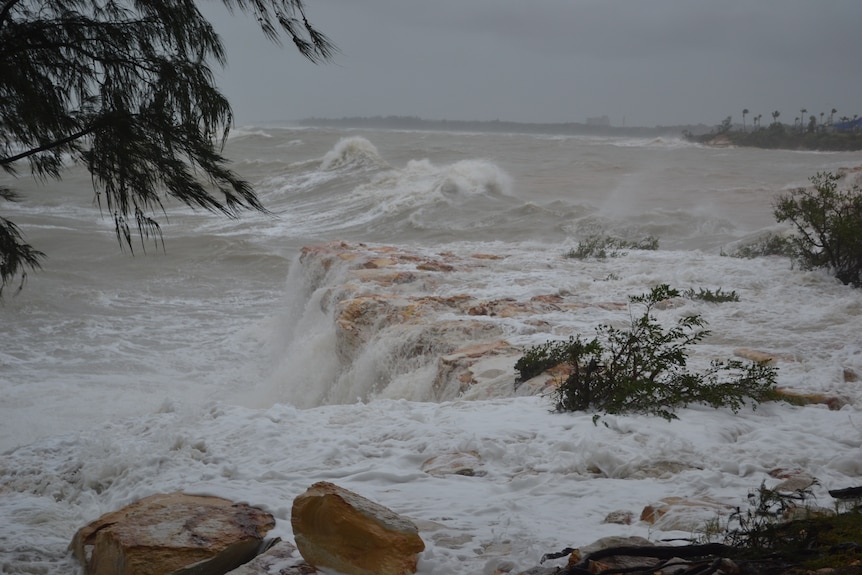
x=766 y=245
x=601 y=247
x=828 y=224
x=643 y=369
x=541 y=357
x=716 y=296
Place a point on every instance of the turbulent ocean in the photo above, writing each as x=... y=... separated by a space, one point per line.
x=104 y=347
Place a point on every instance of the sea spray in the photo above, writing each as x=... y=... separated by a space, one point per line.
x=352 y=152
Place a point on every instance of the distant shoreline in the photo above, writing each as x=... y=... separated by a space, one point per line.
x=499 y=126
x=776 y=136
x=779 y=137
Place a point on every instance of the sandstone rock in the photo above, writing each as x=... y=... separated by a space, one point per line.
x=659 y=469
x=432 y=266
x=443 y=535
x=466 y=463
x=483 y=368
x=167 y=533
x=543 y=384
x=554 y=299
x=379 y=263
x=489 y=377
x=281 y=558
x=362 y=318
x=764 y=357
x=683 y=514
x=801 y=398
x=533 y=571
x=387 y=295
x=337 y=529
x=796 y=482
x=614 y=541
x=385 y=277
x=614 y=562
x=620 y=517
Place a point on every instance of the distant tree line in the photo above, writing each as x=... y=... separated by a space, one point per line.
x=566 y=128
x=826 y=132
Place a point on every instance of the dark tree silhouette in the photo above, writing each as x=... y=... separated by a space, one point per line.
x=126 y=89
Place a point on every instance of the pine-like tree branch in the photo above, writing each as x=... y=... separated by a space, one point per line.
x=48 y=146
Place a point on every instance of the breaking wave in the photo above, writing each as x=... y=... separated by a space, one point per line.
x=352 y=152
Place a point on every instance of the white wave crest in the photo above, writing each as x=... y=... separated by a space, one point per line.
x=352 y=151
x=473 y=177
x=659 y=142
x=421 y=184
x=246 y=131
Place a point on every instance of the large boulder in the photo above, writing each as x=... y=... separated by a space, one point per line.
x=281 y=558
x=173 y=532
x=337 y=529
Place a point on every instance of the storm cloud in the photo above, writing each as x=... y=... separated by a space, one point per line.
x=645 y=63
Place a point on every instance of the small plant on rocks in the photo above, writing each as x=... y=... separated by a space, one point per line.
x=716 y=296
x=643 y=369
x=602 y=247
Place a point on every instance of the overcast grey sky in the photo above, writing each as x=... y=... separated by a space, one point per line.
x=650 y=62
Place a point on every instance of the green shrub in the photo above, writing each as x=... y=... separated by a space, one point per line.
x=828 y=224
x=766 y=245
x=541 y=357
x=601 y=247
x=643 y=369
x=716 y=296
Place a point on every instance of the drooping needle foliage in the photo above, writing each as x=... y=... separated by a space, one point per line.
x=125 y=88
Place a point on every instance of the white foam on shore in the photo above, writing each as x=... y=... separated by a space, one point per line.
x=537 y=470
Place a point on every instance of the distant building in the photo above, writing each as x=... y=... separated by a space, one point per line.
x=599 y=121
x=848 y=126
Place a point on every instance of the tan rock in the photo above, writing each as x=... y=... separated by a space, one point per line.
x=337 y=529
x=484 y=370
x=385 y=277
x=620 y=517
x=554 y=299
x=166 y=533
x=764 y=357
x=797 y=482
x=660 y=469
x=461 y=463
x=802 y=398
x=621 y=562
x=379 y=263
x=681 y=513
x=431 y=266
x=282 y=558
